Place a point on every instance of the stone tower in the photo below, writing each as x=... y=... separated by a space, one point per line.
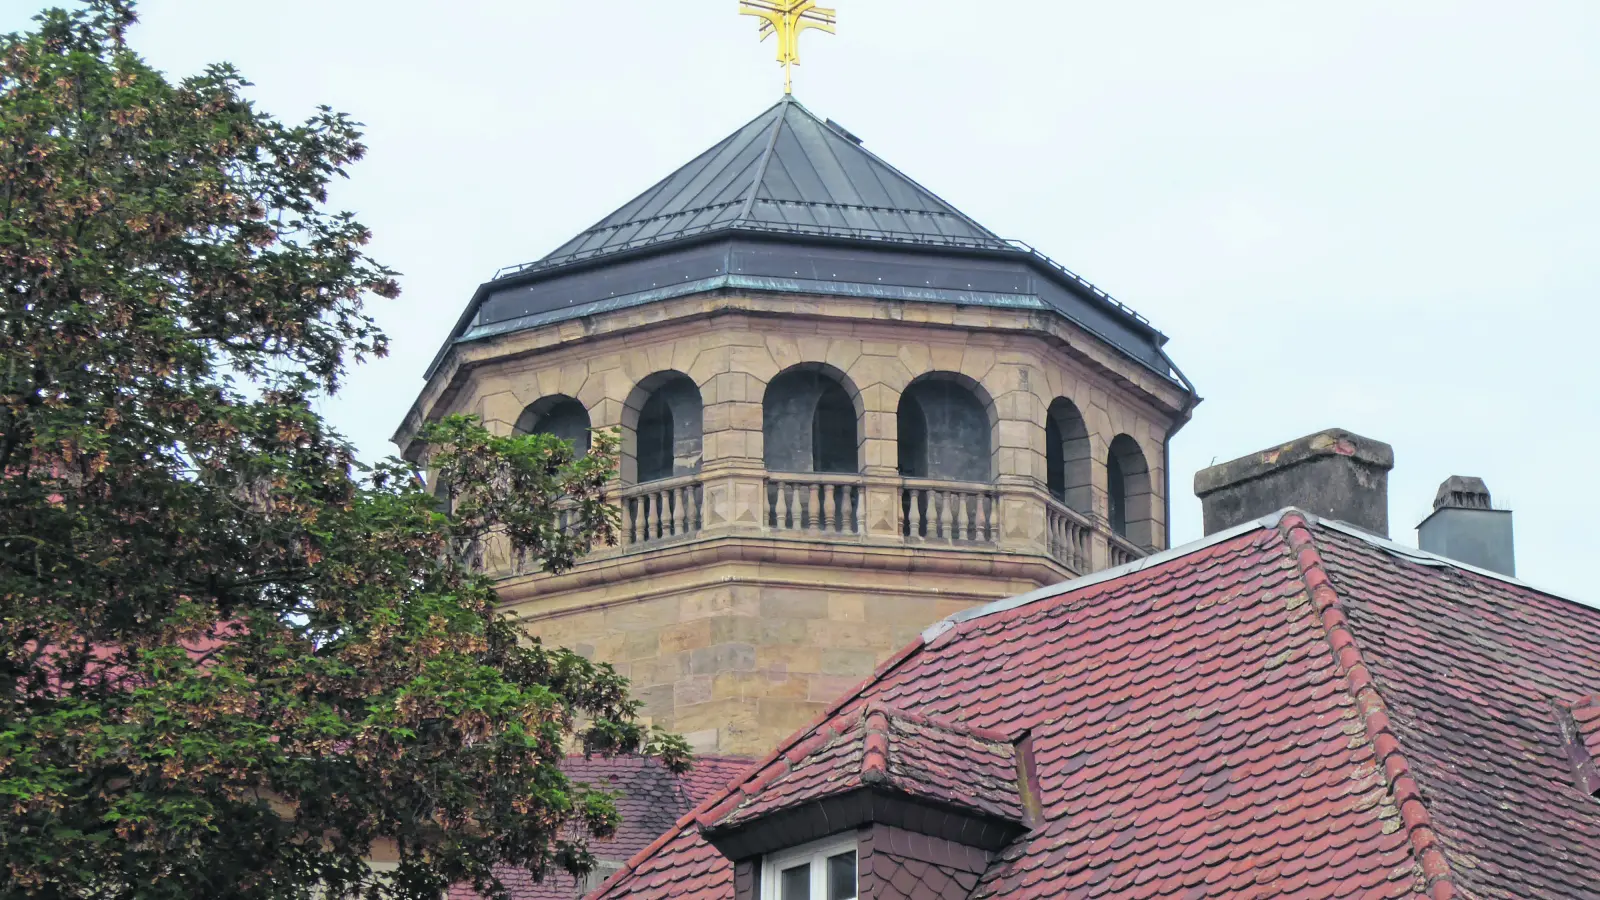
x=847 y=411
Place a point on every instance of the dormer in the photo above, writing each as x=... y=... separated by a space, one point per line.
x=877 y=800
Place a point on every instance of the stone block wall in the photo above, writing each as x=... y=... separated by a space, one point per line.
x=737 y=659
x=740 y=633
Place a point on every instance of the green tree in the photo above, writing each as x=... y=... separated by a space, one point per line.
x=233 y=660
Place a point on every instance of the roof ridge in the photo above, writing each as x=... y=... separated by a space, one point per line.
x=1429 y=558
x=766 y=160
x=1295 y=528
x=985 y=735
x=1050 y=592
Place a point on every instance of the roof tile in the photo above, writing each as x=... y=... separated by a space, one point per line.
x=1293 y=711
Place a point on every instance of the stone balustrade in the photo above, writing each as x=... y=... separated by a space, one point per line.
x=1121 y=552
x=872 y=511
x=1070 y=536
x=662 y=510
x=820 y=505
x=949 y=512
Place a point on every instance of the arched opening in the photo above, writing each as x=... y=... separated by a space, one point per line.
x=809 y=419
x=668 y=439
x=1068 y=460
x=945 y=431
x=560 y=416
x=1129 y=505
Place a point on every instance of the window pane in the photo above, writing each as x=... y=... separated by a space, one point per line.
x=795 y=883
x=842 y=876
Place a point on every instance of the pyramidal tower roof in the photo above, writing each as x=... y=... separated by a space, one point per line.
x=791 y=203
x=786 y=171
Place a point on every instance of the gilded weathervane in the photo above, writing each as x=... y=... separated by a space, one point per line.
x=787 y=19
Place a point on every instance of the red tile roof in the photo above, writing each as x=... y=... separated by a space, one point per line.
x=651 y=800
x=947 y=763
x=1287 y=710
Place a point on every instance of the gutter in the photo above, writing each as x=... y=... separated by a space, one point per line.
x=1184 y=415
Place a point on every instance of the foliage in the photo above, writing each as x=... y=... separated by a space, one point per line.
x=234 y=662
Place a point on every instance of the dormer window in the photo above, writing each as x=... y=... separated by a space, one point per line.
x=874 y=791
x=822 y=871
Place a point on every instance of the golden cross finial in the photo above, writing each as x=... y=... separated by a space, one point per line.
x=787 y=19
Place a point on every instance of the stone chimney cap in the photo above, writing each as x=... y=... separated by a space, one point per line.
x=1332 y=442
x=1463 y=492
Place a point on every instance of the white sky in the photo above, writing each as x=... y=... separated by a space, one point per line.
x=1372 y=214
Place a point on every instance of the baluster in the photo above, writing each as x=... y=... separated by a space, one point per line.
x=825 y=500
x=785 y=505
x=938 y=501
x=692 y=494
x=680 y=516
x=659 y=503
x=633 y=520
x=858 y=501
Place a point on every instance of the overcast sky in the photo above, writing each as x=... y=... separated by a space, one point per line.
x=1377 y=215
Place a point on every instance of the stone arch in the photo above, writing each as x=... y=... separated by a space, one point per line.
x=558 y=415
x=1129 y=505
x=811 y=421
x=1069 y=458
x=946 y=424
x=663 y=428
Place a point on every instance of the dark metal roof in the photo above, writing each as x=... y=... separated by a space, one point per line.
x=790 y=203
x=786 y=171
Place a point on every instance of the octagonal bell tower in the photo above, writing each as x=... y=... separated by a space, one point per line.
x=847 y=411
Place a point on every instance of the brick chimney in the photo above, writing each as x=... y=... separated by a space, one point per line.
x=1466 y=527
x=1334 y=474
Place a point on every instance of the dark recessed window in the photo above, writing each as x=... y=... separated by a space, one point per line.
x=1117 y=489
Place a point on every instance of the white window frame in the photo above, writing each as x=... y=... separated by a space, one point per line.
x=817 y=854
